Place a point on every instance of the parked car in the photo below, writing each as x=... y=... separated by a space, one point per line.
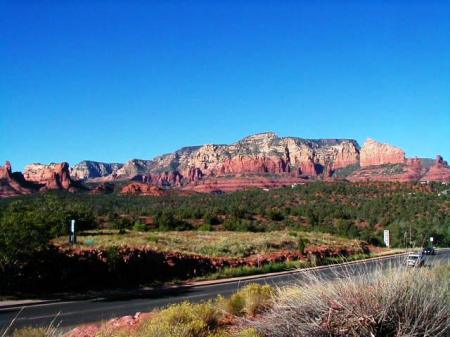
x=415 y=260
x=429 y=251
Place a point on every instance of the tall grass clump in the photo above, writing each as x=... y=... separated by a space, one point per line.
x=178 y=320
x=249 y=301
x=400 y=303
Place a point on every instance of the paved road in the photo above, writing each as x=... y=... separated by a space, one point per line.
x=69 y=314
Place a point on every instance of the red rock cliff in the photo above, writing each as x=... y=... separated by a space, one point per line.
x=53 y=176
x=374 y=153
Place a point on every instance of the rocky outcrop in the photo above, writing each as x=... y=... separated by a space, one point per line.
x=374 y=153
x=440 y=171
x=50 y=177
x=12 y=184
x=142 y=189
x=93 y=169
x=234 y=183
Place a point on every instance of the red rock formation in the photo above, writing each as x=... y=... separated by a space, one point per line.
x=142 y=189
x=440 y=171
x=412 y=170
x=329 y=170
x=12 y=184
x=194 y=174
x=5 y=171
x=50 y=177
x=309 y=167
x=374 y=153
x=234 y=183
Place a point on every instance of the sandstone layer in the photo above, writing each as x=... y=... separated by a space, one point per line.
x=374 y=153
x=261 y=154
x=50 y=177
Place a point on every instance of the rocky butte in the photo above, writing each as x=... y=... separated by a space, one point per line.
x=263 y=160
x=50 y=177
x=374 y=153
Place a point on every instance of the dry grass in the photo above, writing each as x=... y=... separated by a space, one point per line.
x=227 y=244
x=400 y=303
x=249 y=301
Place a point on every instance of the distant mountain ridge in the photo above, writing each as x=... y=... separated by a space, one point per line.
x=262 y=160
x=267 y=150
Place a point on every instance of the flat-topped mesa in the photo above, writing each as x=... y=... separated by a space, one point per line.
x=52 y=176
x=263 y=153
x=374 y=153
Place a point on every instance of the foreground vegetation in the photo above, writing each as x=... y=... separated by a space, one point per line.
x=387 y=303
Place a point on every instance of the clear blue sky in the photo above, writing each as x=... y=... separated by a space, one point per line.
x=111 y=81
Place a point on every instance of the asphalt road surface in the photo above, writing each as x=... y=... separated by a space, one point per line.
x=72 y=313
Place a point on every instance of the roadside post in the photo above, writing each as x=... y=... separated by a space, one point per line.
x=72 y=234
x=431 y=240
x=386 y=237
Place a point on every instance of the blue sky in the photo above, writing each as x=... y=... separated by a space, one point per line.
x=111 y=81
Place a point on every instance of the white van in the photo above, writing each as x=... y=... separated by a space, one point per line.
x=415 y=260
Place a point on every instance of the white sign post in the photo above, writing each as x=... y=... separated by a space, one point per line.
x=431 y=239
x=73 y=235
x=386 y=238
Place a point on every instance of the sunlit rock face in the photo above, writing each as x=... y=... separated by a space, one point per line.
x=263 y=153
x=374 y=153
x=50 y=177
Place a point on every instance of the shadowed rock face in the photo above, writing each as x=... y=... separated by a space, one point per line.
x=12 y=184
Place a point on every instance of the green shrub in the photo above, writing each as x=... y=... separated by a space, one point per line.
x=205 y=228
x=250 y=300
x=153 y=238
x=184 y=319
x=275 y=215
x=166 y=221
x=140 y=227
x=302 y=242
x=211 y=219
x=234 y=305
x=22 y=233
